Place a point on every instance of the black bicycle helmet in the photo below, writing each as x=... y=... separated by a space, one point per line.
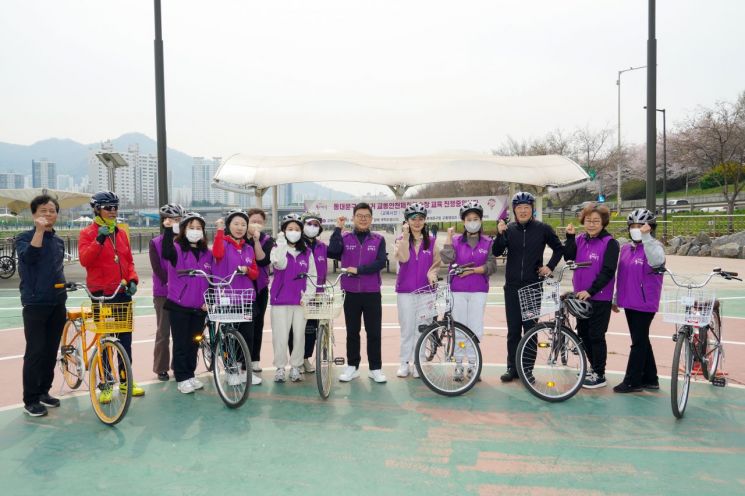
x=190 y=216
x=415 y=209
x=291 y=218
x=582 y=309
x=641 y=216
x=471 y=206
x=171 y=211
x=523 y=198
x=104 y=199
x=233 y=213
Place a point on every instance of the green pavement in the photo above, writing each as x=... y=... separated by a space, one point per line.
x=388 y=439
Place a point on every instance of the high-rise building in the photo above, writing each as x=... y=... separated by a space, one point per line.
x=65 y=182
x=202 y=172
x=136 y=184
x=11 y=180
x=44 y=174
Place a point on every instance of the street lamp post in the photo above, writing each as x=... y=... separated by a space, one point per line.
x=664 y=170
x=112 y=161
x=618 y=167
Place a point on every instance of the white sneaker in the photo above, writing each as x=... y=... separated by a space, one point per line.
x=349 y=373
x=308 y=366
x=234 y=379
x=279 y=375
x=256 y=367
x=403 y=370
x=196 y=383
x=186 y=386
x=256 y=380
x=414 y=371
x=377 y=376
x=295 y=375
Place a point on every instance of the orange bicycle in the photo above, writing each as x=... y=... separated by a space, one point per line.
x=109 y=365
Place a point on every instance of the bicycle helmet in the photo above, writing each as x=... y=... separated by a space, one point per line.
x=104 y=199
x=641 y=216
x=233 y=213
x=415 y=209
x=171 y=211
x=291 y=218
x=190 y=216
x=312 y=215
x=471 y=206
x=523 y=197
x=581 y=309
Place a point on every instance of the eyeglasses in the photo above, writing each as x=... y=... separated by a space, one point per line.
x=363 y=216
x=588 y=221
x=110 y=208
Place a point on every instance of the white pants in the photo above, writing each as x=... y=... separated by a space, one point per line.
x=285 y=317
x=407 y=320
x=468 y=309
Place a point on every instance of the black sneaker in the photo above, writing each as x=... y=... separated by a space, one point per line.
x=654 y=386
x=35 y=410
x=529 y=376
x=509 y=376
x=627 y=388
x=163 y=376
x=49 y=401
x=594 y=381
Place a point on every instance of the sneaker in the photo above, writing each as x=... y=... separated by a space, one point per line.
x=256 y=367
x=594 y=381
x=509 y=375
x=403 y=370
x=295 y=375
x=654 y=386
x=234 y=380
x=136 y=389
x=626 y=388
x=529 y=376
x=186 y=386
x=308 y=366
x=256 y=380
x=35 y=410
x=196 y=383
x=163 y=376
x=414 y=371
x=458 y=376
x=349 y=373
x=244 y=376
x=106 y=395
x=279 y=375
x=48 y=401
x=377 y=375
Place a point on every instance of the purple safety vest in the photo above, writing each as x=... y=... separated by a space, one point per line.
x=182 y=289
x=286 y=289
x=592 y=250
x=475 y=283
x=412 y=274
x=160 y=287
x=638 y=287
x=263 y=280
x=232 y=259
x=355 y=255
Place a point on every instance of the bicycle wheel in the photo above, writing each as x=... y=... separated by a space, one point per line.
x=232 y=385
x=205 y=345
x=711 y=353
x=680 y=376
x=324 y=360
x=448 y=359
x=71 y=355
x=7 y=267
x=110 y=398
x=551 y=362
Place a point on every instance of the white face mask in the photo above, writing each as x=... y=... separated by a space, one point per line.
x=636 y=234
x=311 y=231
x=473 y=226
x=292 y=236
x=194 y=235
x=175 y=228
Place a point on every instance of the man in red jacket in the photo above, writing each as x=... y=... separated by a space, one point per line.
x=107 y=257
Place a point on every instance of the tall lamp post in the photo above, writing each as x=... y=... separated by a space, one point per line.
x=664 y=171
x=618 y=167
x=112 y=161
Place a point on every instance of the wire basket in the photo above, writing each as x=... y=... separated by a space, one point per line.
x=107 y=318
x=229 y=305
x=688 y=307
x=431 y=302
x=539 y=299
x=323 y=306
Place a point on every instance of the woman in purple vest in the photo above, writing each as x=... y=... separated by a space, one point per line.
x=262 y=244
x=638 y=290
x=418 y=261
x=185 y=301
x=170 y=215
x=232 y=251
x=594 y=283
x=472 y=286
x=289 y=258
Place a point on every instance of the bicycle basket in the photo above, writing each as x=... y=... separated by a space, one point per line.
x=539 y=299
x=431 y=302
x=229 y=305
x=323 y=306
x=687 y=307
x=105 y=318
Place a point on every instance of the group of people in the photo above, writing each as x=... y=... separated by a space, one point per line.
x=268 y=270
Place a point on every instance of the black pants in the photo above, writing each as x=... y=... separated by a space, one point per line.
x=515 y=324
x=254 y=346
x=311 y=329
x=247 y=331
x=592 y=333
x=356 y=307
x=185 y=327
x=42 y=326
x=641 y=368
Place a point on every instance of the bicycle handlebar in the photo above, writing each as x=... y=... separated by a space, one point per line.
x=211 y=278
x=74 y=286
x=343 y=272
x=717 y=271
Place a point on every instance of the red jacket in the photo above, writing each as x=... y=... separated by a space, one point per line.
x=106 y=269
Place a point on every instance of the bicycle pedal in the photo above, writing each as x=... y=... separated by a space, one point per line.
x=338 y=361
x=719 y=381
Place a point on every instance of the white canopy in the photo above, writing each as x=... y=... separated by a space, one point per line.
x=19 y=199
x=399 y=173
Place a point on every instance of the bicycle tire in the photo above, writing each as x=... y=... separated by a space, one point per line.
x=680 y=385
x=711 y=355
x=226 y=363
x=446 y=373
x=71 y=355
x=324 y=361
x=549 y=377
x=206 y=346
x=102 y=377
x=7 y=267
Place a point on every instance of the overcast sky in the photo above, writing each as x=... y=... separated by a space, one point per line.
x=382 y=77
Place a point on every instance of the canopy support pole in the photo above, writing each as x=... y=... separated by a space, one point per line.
x=275 y=220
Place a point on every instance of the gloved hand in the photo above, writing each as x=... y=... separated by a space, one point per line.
x=103 y=233
x=132 y=288
x=281 y=241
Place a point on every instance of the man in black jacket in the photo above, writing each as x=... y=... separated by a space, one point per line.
x=525 y=241
x=41 y=255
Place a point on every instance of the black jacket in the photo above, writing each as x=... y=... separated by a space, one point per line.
x=40 y=269
x=525 y=244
